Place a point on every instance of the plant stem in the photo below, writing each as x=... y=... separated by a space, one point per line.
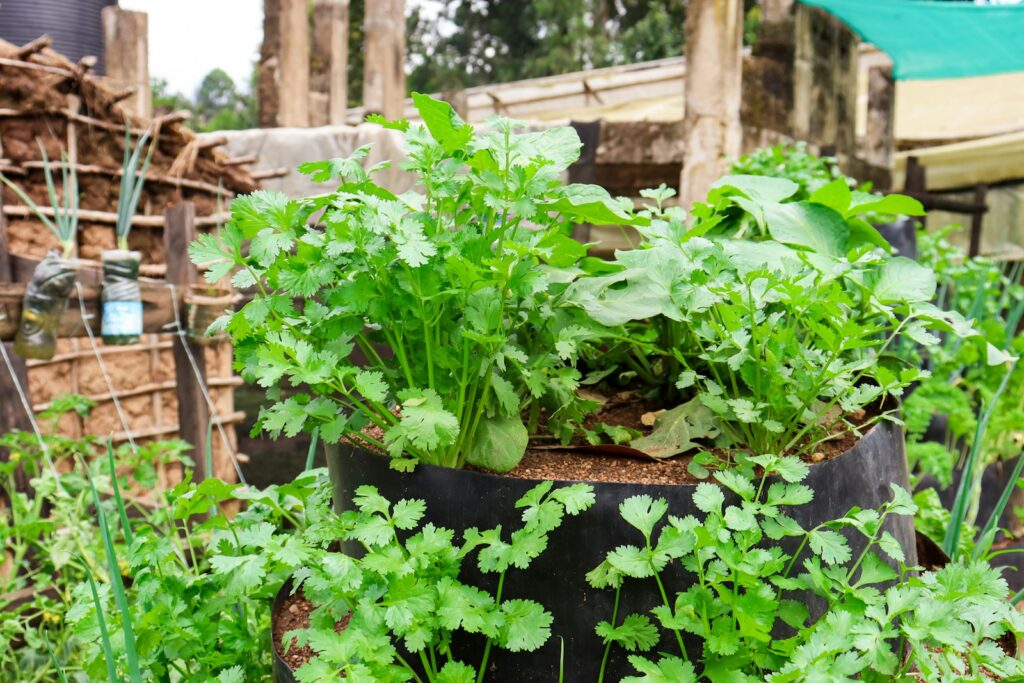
x=608 y=645
x=487 y=646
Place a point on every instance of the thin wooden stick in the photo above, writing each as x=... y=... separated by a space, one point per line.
x=206 y=143
x=32 y=47
x=19 y=64
x=240 y=161
x=150 y=178
x=143 y=389
x=89 y=216
x=270 y=173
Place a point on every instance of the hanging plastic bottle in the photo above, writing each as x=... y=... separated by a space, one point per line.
x=122 y=301
x=46 y=298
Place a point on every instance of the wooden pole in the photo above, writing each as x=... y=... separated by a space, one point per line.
x=12 y=413
x=270 y=48
x=193 y=412
x=329 y=58
x=284 y=65
x=293 y=78
x=714 y=75
x=977 y=219
x=384 y=58
x=126 y=54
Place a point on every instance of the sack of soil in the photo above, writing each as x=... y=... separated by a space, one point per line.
x=46 y=298
x=122 y=301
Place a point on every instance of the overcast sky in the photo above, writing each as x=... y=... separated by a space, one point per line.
x=188 y=38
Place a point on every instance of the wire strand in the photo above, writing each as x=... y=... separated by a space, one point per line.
x=180 y=332
x=31 y=415
x=103 y=369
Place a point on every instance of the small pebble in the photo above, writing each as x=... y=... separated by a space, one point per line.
x=817 y=456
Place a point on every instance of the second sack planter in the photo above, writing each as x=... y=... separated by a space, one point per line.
x=461 y=499
x=45 y=301
x=122 y=301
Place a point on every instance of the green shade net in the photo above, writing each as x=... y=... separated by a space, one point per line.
x=940 y=39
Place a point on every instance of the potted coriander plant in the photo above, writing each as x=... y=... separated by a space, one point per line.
x=455 y=345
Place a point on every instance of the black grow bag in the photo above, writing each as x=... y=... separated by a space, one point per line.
x=901 y=236
x=460 y=499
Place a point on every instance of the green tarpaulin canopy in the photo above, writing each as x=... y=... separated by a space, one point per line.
x=937 y=39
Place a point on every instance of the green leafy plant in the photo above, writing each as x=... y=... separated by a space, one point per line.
x=975 y=403
x=132 y=180
x=64 y=224
x=197 y=585
x=940 y=626
x=453 y=296
x=50 y=538
x=779 y=317
x=405 y=594
x=793 y=162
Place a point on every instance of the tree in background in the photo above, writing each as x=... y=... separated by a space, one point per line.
x=218 y=104
x=472 y=42
x=165 y=101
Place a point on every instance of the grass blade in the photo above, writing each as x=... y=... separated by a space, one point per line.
x=314 y=440
x=61 y=676
x=108 y=651
x=129 y=537
x=131 y=654
x=33 y=207
x=961 y=503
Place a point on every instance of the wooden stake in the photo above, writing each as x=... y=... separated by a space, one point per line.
x=384 y=58
x=714 y=75
x=329 y=58
x=193 y=413
x=30 y=48
x=126 y=55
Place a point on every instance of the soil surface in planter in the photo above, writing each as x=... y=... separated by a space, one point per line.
x=583 y=462
x=294 y=615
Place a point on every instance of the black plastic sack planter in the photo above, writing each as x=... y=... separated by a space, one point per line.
x=901 y=236
x=282 y=672
x=122 y=301
x=46 y=299
x=460 y=499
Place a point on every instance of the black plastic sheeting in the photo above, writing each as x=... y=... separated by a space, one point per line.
x=74 y=25
x=459 y=499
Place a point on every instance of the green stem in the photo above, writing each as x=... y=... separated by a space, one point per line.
x=487 y=646
x=608 y=645
x=664 y=599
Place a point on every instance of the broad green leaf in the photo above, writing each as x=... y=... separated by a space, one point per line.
x=835 y=195
x=762 y=189
x=678 y=430
x=897 y=204
x=450 y=131
x=805 y=224
x=902 y=279
x=499 y=443
x=592 y=204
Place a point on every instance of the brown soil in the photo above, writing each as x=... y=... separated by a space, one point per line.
x=581 y=462
x=294 y=615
